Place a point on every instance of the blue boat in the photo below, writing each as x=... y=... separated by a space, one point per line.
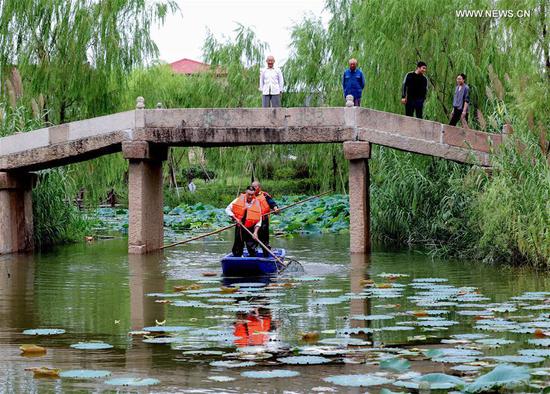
x=259 y=265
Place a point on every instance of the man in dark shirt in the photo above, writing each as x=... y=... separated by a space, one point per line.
x=415 y=87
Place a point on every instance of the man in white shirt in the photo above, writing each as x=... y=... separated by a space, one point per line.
x=271 y=84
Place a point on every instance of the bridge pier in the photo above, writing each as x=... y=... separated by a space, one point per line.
x=16 y=219
x=358 y=154
x=145 y=200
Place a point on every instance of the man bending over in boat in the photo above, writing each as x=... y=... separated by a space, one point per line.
x=267 y=204
x=245 y=210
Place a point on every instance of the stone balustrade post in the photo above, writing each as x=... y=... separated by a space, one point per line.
x=16 y=218
x=358 y=154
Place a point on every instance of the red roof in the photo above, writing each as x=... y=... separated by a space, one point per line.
x=188 y=66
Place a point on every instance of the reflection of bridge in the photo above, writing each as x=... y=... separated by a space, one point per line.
x=144 y=135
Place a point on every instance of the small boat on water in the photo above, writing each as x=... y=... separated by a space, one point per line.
x=258 y=265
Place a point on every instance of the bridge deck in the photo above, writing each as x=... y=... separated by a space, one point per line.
x=82 y=140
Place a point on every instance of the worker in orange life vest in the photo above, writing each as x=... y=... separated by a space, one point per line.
x=252 y=329
x=247 y=211
x=267 y=204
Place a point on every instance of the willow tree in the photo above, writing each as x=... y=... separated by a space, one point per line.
x=419 y=200
x=77 y=53
x=62 y=60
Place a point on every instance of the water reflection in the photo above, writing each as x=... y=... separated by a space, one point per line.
x=358 y=273
x=17 y=275
x=253 y=328
x=145 y=277
x=97 y=292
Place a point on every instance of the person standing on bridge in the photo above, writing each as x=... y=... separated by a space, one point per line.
x=246 y=211
x=267 y=204
x=271 y=84
x=414 y=90
x=461 y=102
x=353 y=82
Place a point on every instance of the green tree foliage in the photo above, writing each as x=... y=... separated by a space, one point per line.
x=65 y=60
x=77 y=53
x=449 y=208
x=417 y=200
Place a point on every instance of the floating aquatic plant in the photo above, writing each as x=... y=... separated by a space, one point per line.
x=395 y=364
x=232 y=364
x=433 y=381
x=44 y=331
x=133 y=382
x=84 y=374
x=503 y=376
x=357 y=380
x=304 y=360
x=274 y=373
x=91 y=346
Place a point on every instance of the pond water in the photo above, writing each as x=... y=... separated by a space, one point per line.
x=390 y=316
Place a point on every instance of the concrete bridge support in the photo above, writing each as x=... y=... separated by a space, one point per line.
x=145 y=215
x=358 y=154
x=16 y=219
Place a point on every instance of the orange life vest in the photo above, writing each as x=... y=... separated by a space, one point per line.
x=254 y=213
x=263 y=202
x=252 y=331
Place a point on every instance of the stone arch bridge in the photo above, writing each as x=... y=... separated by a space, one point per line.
x=144 y=135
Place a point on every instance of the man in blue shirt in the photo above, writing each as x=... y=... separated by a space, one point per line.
x=353 y=82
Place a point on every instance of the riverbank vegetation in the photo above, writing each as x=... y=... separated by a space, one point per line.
x=497 y=215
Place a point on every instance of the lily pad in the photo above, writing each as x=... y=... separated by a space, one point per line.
x=275 y=373
x=162 y=340
x=44 y=331
x=134 y=382
x=519 y=359
x=495 y=341
x=433 y=381
x=540 y=342
x=469 y=336
x=84 y=374
x=436 y=323
x=329 y=300
x=504 y=375
x=535 y=352
x=190 y=304
x=397 y=328
x=395 y=364
x=451 y=352
x=304 y=360
x=466 y=368
x=221 y=378
x=344 y=341
x=167 y=328
x=91 y=346
x=232 y=364
x=371 y=317
x=203 y=353
x=430 y=280
x=357 y=380
x=442 y=352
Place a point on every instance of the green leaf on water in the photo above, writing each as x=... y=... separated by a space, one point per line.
x=395 y=364
x=503 y=376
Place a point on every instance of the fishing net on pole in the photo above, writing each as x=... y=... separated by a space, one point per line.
x=292 y=266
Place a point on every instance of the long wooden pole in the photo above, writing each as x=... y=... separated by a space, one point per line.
x=262 y=245
x=234 y=224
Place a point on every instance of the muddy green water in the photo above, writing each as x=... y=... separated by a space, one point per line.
x=96 y=292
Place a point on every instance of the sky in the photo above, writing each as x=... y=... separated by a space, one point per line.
x=183 y=34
